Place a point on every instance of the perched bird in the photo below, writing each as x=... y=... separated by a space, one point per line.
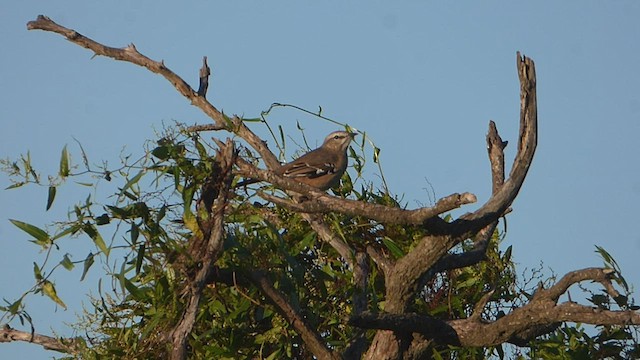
x=321 y=168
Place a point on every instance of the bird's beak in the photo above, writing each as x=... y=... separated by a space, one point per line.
x=353 y=134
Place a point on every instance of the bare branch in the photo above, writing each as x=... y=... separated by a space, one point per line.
x=204 y=78
x=68 y=346
x=131 y=54
x=528 y=139
x=600 y=275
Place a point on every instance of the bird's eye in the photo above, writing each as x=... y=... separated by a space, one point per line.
x=336 y=137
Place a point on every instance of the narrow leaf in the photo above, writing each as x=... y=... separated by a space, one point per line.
x=64 y=163
x=393 y=247
x=93 y=233
x=52 y=195
x=32 y=230
x=87 y=264
x=13 y=186
x=140 y=258
x=132 y=182
x=36 y=272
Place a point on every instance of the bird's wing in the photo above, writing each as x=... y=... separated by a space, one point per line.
x=304 y=169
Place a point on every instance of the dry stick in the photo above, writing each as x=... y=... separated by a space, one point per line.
x=130 y=54
x=68 y=346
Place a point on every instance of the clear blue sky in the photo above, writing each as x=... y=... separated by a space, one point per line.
x=422 y=78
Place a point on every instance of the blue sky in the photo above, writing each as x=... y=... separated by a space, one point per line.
x=421 y=78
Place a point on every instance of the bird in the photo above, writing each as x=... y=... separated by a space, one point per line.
x=321 y=168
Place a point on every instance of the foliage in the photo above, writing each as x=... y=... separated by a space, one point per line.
x=155 y=209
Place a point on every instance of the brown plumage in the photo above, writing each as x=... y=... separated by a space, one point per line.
x=321 y=168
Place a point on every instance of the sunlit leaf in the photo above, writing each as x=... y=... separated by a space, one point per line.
x=64 y=163
x=49 y=290
x=376 y=154
x=40 y=235
x=37 y=273
x=67 y=263
x=393 y=247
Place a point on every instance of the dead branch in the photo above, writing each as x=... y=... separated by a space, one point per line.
x=63 y=345
x=542 y=312
x=130 y=54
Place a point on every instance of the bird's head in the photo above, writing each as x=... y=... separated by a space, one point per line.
x=338 y=140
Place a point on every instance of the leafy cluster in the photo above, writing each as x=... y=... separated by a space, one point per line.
x=153 y=219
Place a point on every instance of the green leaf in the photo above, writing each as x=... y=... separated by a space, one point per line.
x=49 y=290
x=102 y=219
x=16 y=185
x=70 y=230
x=507 y=254
x=40 y=235
x=161 y=152
x=64 y=163
x=67 y=263
x=393 y=247
x=135 y=291
x=140 y=258
x=132 y=182
x=15 y=307
x=376 y=154
x=93 y=233
x=36 y=272
x=135 y=233
x=51 y=196
x=87 y=264
x=201 y=150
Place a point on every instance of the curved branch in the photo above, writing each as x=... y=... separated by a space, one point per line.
x=496 y=206
x=130 y=54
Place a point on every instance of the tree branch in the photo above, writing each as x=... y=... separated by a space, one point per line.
x=68 y=346
x=496 y=206
x=322 y=203
x=130 y=54
x=542 y=312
